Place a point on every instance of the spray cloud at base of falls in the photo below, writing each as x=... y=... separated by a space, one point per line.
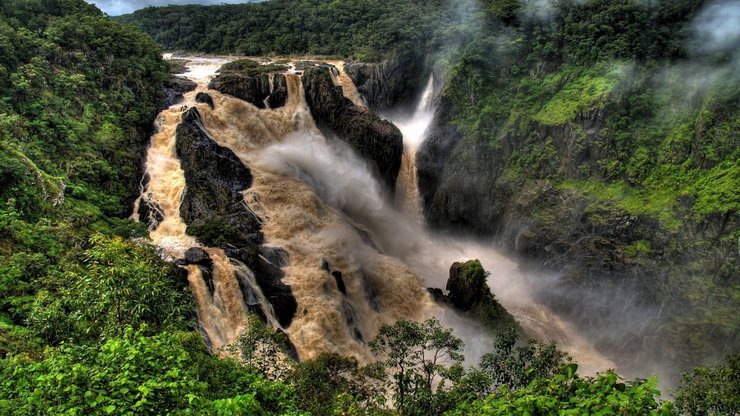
x=357 y=260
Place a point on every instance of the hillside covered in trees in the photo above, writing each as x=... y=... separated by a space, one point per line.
x=598 y=137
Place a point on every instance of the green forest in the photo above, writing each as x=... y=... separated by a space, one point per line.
x=94 y=321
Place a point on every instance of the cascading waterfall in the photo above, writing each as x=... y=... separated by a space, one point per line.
x=343 y=80
x=413 y=129
x=356 y=261
x=378 y=289
x=222 y=315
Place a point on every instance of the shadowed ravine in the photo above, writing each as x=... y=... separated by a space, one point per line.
x=319 y=201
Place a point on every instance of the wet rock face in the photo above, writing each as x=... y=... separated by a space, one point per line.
x=254 y=89
x=377 y=141
x=269 y=278
x=150 y=213
x=213 y=207
x=390 y=84
x=279 y=94
x=277 y=256
x=204 y=98
x=174 y=88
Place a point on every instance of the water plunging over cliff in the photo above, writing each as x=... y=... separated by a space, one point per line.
x=221 y=314
x=413 y=128
x=356 y=261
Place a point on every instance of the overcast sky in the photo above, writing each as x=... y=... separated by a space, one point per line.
x=116 y=7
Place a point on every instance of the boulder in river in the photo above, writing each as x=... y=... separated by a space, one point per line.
x=204 y=98
x=469 y=293
x=196 y=255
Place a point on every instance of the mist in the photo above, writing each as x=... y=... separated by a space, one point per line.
x=344 y=182
x=717 y=28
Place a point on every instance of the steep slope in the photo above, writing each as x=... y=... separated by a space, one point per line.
x=611 y=157
x=79 y=93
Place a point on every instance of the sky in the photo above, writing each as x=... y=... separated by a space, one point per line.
x=116 y=7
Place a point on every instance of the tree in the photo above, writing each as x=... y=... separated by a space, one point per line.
x=330 y=383
x=125 y=283
x=710 y=391
x=418 y=355
x=514 y=367
x=263 y=349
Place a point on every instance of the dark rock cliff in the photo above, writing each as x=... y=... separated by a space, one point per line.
x=214 y=209
x=254 y=89
x=279 y=93
x=464 y=185
x=597 y=247
x=215 y=178
x=392 y=84
x=377 y=141
x=174 y=88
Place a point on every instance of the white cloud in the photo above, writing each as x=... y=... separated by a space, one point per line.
x=117 y=7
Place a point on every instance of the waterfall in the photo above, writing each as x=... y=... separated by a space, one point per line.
x=427 y=97
x=356 y=260
x=221 y=314
x=414 y=129
x=343 y=80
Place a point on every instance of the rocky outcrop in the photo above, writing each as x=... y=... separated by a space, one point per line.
x=279 y=94
x=213 y=207
x=377 y=141
x=391 y=84
x=204 y=98
x=467 y=284
x=469 y=293
x=196 y=255
x=277 y=256
x=175 y=88
x=254 y=89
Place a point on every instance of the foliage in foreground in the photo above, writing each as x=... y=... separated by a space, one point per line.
x=420 y=369
x=174 y=373
x=567 y=393
x=169 y=373
x=711 y=391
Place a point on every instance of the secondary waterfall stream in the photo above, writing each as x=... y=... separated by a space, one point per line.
x=320 y=202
